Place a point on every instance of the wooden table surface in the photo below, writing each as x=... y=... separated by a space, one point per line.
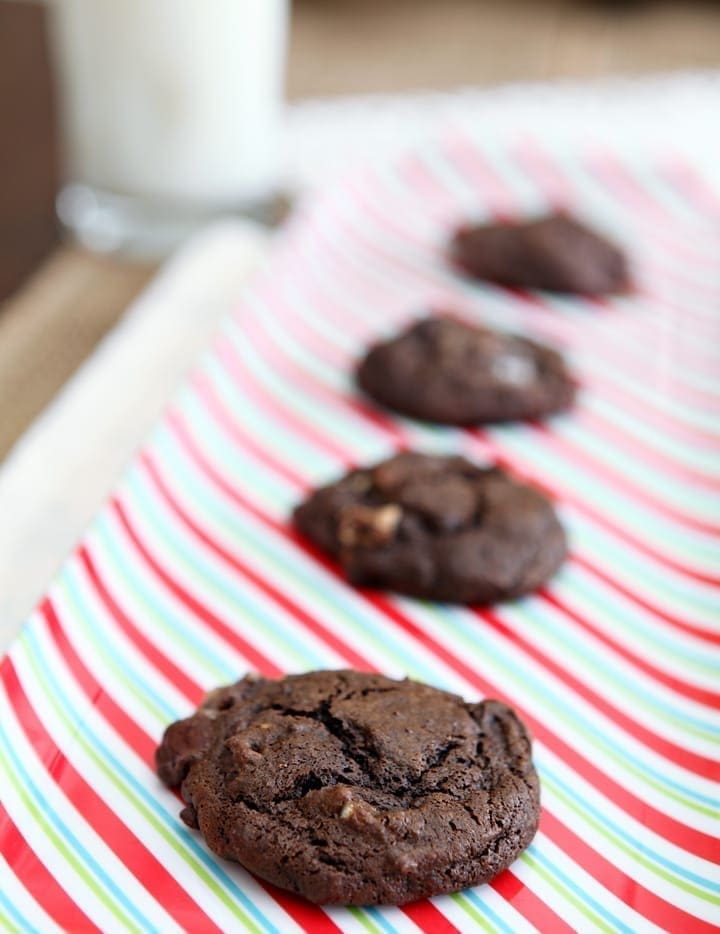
x=346 y=46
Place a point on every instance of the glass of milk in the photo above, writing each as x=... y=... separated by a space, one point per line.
x=170 y=113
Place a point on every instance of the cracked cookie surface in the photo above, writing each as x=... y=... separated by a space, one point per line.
x=443 y=370
x=440 y=528
x=352 y=788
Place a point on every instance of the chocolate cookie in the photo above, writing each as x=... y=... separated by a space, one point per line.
x=436 y=527
x=442 y=370
x=555 y=253
x=350 y=788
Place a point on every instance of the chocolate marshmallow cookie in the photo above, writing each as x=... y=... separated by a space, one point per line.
x=555 y=253
x=354 y=789
x=440 y=528
x=443 y=370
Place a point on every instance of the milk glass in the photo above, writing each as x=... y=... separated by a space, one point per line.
x=170 y=114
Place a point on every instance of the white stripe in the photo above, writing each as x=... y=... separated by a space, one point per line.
x=20 y=898
x=117 y=656
x=131 y=815
x=639 y=835
x=52 y=799
x=236 y=616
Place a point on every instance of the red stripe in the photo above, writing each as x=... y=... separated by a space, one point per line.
x=182 y=681
x=623 y=397
x=516 y=465
x=616 y=176
x=537 y=162
x=699 y=632
x=206 y=391
x=254 y=658
x=526 y=901
x=40 y=884
x=308 y=433
x=633 y=356
x=309 y=917
x=683 y=688
x=428 y=918
x=619 y=480
x=640 y=899
x=693 y=187
x=670 y=238
x=664 y=462
x=103 y=820
x=353 y=658
x=679 y=755
x=345 y=402
x=694 y=840
x=636 y=325
x=144 y=746
x=103 y=703
x=310 y=382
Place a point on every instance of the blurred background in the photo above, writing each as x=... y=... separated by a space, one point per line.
x=58 y=299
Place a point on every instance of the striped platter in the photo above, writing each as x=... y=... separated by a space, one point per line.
x=190 y=575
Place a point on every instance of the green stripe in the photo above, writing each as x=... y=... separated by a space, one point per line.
x=146 y=812
x=473 y=913
x=563 y=640
x=664 y=586
x=8 y=925
x=509 y=668
x=618 y=506
x=670 y=643
x=192 y=565
x=570 y=896
x=637 y=856
x=165 y=622
x=64 y=850
x=363 y=919
x=106 y=651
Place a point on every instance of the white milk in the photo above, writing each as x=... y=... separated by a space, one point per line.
x=177 y=100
